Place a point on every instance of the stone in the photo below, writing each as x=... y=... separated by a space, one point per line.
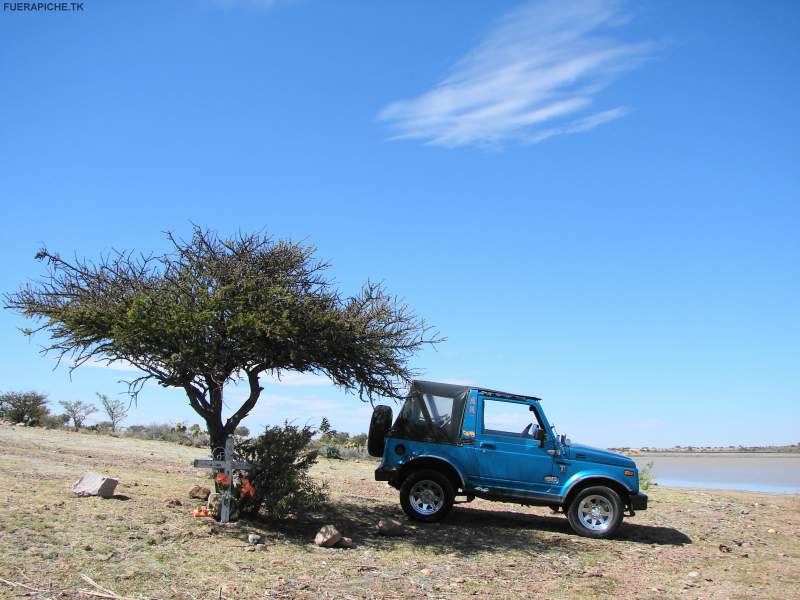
x=173 y=502
x=261 y=547
x=694 y=574
x=390 y=527
x=327 y=536
x=771 y=530
x=199 y=492
x=345 y=542
x=253 y=539
x=94 y=484
x=214 y=503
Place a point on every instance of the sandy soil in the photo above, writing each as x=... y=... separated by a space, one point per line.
x=689 y=544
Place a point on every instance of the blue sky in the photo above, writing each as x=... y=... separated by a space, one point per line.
x=594 y=202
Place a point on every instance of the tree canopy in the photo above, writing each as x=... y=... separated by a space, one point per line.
x=24 y=407
x=213 y=310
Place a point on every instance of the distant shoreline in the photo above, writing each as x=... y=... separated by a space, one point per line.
x=744 y=450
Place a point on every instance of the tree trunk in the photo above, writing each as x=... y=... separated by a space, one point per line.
x=217 y=435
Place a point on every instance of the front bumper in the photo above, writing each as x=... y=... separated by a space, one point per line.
x=639 y=501
x=385 y=473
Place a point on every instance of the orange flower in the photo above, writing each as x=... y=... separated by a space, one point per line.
x=248 y=489
x=222 y=479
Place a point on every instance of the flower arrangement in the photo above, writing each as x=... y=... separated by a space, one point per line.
x=202 y=511
x=222 y=479
x=247 y=489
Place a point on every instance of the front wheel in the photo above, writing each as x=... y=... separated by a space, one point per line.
x=426 y=496
x=595 y=512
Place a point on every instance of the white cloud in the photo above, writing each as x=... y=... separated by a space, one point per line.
x=535 y=75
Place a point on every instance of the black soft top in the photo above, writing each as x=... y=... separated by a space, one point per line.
x=433 y=411
x=452 y=390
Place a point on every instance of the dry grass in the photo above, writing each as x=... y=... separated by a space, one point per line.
x=138 y=547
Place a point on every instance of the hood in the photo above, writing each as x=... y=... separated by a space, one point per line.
x=598 y=455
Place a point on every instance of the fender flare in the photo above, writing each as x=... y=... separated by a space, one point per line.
x=433 y=457
x=598 y=479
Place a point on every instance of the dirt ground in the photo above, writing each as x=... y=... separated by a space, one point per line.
x=689 y=544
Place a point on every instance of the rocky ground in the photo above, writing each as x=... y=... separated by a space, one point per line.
x=142 y=544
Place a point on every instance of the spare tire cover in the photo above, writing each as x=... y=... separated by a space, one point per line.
x=378 y=428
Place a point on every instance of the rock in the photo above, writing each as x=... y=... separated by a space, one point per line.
x=173 y=502
x=327 y=536
x=345 y=542
x=771 y=530
x=94 y=484
x=253 y=539
x=199 y=492
x=261 y=547
x=390 y=527
x=214 y=503
x=724 y=548
x=250 y=549
x=694 y=574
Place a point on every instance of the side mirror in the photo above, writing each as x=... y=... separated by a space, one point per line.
x=565 y=441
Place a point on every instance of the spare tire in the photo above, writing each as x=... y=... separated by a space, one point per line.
x=378 y=428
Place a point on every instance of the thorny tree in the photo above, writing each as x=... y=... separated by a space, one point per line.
x=213 y=311
x=116 y=410
x=77 y=412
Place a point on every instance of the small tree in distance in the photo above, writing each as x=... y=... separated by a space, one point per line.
x=77 y=412
x=23 y=407
x=115 y=408
x=214 y=311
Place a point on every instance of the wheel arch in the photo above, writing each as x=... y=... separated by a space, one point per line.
x=437 y=463
x=593 y=480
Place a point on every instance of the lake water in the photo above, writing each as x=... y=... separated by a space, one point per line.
x=776 y=473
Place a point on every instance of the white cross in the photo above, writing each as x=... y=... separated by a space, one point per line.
x=225 y=466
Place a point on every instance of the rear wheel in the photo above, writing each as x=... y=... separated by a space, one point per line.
x=595 y=512
x=427 y=495
x=378 y=428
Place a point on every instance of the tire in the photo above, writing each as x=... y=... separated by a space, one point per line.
x=378 y=428
x=427 y=496
x=595 y=512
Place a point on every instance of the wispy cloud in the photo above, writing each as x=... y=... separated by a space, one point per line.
x=536 y=74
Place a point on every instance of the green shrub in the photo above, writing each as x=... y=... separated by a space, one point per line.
x=646 y=478
x=165 y=432
x=54 y=421
x=332 y=452
x=281 y=458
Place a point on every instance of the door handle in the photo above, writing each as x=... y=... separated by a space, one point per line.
x=487 y=445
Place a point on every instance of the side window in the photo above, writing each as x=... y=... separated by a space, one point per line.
x=508 y=419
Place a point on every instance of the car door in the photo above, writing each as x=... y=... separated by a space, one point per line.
x=508 y=456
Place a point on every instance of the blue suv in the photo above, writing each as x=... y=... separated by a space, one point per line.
x=451 y=440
